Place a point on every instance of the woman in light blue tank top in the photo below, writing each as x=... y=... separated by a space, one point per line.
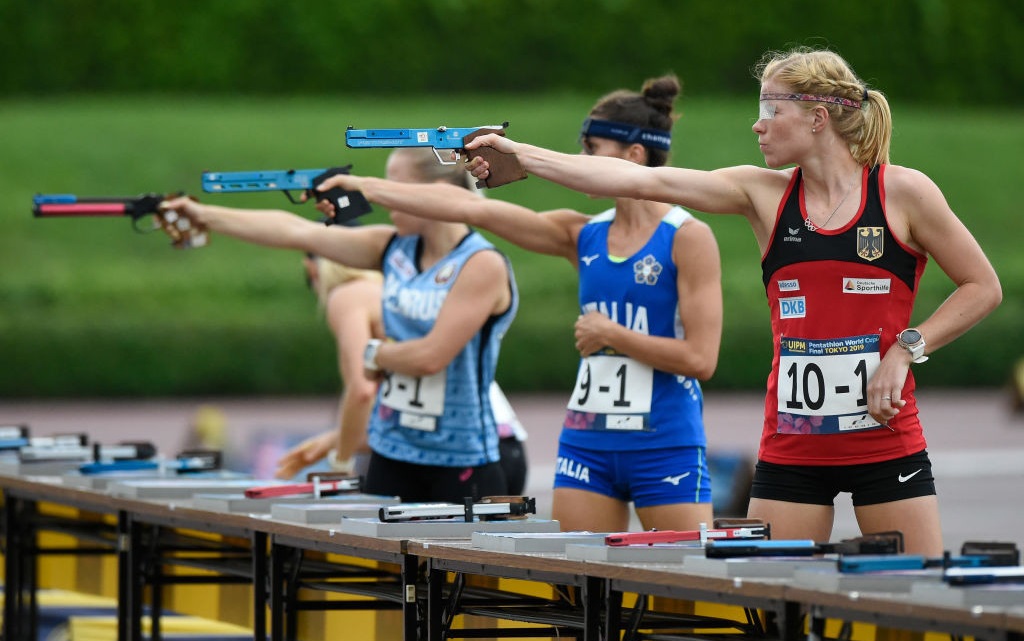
x=449 y=297
x=648 y=331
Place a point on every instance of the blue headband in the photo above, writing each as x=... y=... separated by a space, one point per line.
x=654 y=138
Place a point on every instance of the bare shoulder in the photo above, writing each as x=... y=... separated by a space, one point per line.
x=695 y=243
x=900 y=181
x=917 y=211
x=369 y=287
x=694 y=229
x=568 y=219
x=487 y=263
x=484 y=282
x=358 y=296
x=910 y=195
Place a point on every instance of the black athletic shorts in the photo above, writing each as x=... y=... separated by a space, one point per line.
x=513 y=461
x=429 y=483
x=868 y=484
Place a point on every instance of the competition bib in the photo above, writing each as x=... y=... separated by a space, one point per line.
x=418 y=399
x=823 y=384
x=617 y=387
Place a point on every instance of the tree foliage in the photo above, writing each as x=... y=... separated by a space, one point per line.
x=926 y=50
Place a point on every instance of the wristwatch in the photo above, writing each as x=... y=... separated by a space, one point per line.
x=348 y=466
x=370 y=354
x=911 y=340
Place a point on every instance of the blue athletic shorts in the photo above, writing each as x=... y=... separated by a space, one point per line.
x=659 y=476
x=868 y=483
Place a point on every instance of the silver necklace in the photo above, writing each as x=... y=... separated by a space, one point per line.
x=812 y=227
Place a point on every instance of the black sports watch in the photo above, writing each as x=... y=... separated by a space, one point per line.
x=911 y=340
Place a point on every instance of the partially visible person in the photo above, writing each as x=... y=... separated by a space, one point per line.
x=648 y=332
x=844 y=237
x=207 y=430
x=449 y=297
x=1017 y=386
x=351 y=302
x=511 y=441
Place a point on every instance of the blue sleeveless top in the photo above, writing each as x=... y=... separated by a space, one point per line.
x=445 y=419
x=619 y=403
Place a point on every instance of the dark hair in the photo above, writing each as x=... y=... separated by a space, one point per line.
x=651 y=108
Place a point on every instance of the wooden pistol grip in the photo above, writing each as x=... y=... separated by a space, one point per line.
x=504 y=168
x=183 y=232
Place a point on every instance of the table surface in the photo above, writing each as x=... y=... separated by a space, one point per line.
x=893 y=610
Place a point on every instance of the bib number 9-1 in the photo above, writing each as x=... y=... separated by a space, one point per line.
x=609 y=384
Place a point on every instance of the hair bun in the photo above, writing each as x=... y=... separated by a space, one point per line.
x=661 y=92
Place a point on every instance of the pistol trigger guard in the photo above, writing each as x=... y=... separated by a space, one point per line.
x=290 y=197
x=441 y=160
x=140 y=230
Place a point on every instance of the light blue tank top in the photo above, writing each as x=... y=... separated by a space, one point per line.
x=619 y=403
x=445 y=419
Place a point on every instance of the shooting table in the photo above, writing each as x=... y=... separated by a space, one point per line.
x=571 y=591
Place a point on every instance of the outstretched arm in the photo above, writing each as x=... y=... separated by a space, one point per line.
x=552 y=233
x=721 y=191
x=358 y=247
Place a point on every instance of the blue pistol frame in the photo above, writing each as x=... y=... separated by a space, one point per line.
x=504 y=168
x=348 y=205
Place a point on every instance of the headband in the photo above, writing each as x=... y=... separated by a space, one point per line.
x=809 y=97
x=620 y=131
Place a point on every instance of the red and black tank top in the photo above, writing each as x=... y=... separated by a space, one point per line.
x=837 y=299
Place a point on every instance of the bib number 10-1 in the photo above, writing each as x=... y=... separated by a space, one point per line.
x=827 y=379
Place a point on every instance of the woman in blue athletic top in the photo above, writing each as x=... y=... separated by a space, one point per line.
x=649 y=327
x=449 y=297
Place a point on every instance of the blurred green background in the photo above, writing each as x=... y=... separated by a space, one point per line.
x=117 y=99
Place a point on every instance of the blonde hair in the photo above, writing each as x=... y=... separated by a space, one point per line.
x=868 y=130
x=430 y=169
x=331 y=274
